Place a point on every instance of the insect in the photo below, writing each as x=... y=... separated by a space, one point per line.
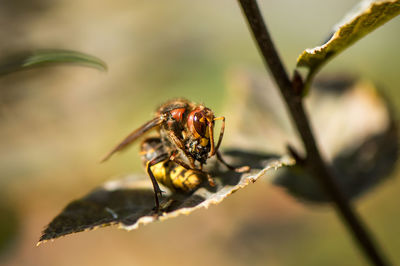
x=168 y=173
x=186 y=138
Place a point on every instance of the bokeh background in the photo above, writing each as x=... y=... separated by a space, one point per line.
x=57 y=122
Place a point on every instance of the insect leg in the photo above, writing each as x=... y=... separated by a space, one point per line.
x=181 y=163
x=211 y=134
x=156 y=187
x=242 y=169
x=176 y=140
x=221 y=133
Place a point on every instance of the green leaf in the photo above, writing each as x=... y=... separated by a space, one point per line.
x=27 y=60
x=129 y=202
x=367 y=16
x=9 y=225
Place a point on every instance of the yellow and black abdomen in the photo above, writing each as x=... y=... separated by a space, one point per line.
x=176 y=177
x=168 y=173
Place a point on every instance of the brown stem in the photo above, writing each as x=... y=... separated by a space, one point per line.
x=314 y=161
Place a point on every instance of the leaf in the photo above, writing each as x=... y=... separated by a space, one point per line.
x=129 y=202
x=361 y=162
x=358 y=170
x=28 y=60
x=367 y=16
x=9 y=225
x=355 y=127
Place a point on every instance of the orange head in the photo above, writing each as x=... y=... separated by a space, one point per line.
x=201 y=126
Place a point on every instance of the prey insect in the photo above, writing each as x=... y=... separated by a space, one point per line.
x=166 y=172
x=185 y=141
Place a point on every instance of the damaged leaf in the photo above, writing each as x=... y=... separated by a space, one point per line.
x=129 y=202
x=27 y=60
x=365 y=18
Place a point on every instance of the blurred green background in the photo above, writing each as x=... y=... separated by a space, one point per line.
x=57 y=122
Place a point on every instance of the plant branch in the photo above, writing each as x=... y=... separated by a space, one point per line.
x=314 y=160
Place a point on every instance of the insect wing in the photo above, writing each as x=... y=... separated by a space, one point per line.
x=135 y=135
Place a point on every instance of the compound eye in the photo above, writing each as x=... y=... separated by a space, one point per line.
x=200 y=123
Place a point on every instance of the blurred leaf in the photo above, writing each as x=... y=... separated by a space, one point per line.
x=129 y=202
x=9 y=225
x=27 y=60
x=358 y=167
x=355 y=127
x=255 y=112
x=366 y=17
x=357 y=170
